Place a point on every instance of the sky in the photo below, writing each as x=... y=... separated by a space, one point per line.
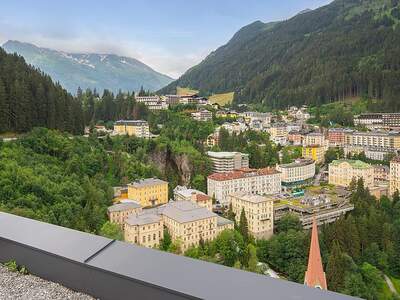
x=168 y=35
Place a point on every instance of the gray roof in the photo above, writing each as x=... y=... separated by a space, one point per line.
x=222 y=221
x=143 y=219
x=186 y=211
x=251 y=197
x=147 y=182
x=298 y=163
x=123 y=206
x=195 y=278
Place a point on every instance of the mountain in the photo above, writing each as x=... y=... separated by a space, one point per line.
x=100 y=71
x=345 y=49
x=28 y=99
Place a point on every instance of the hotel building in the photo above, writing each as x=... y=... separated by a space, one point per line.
x=228 y=161
x=144 y=229
x=136 y=128
x=314 y=152
x=148 y=192
x=254 y=181
x=259 y=213
x=182 y=193
x=343 y=171
x=119 y=212
x=394 y=175
x=298 y=172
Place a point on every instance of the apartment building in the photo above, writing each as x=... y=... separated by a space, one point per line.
x=378 y=120
x=278 y=133
x=254 y=181
x=182 y=193
x=381 y=173
x=153 y=103
x=212 y=139
x=202 y=115
x=295 y=138
x=189 y=223
x=259 y=211
x=136 y=128
x=394 y=175
x=343 y=171
x=375 y=139
x=172 y=99
x=297 y=172
x=119 y=212
x=234 y=127
x=144 y=229
x=314 y=152
x=252 y=116
x=148 y=192
x=228 y=161
x=337 y=136
x=314 y=138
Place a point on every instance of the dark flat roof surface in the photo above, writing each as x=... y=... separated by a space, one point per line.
x=177 y=273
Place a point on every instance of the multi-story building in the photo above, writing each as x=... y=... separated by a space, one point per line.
x=343 y=171
x=295 y=138
x=202 y=115
x=337 y=136
x=314 y=138
x=251 y=116
x=137 y=128
x=119 y=212
x=234 y=127
x=152 y=102
x=375 y=153
x=314 y=152
x=259 y=213
x=148 y=192
x=297 y=173
x=254 y=181
x=375 y=139
x=278 y=133
x=228 y=161
x=191 y=223
x=394 y=176
x=172 y=99
x=381 y=173
x=144 y=229
x=182 y=193
x=212 y=139
x=189 y=99
x=378 y=120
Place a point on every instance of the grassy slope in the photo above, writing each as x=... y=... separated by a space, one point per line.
x=185 y=91
x=222 y=99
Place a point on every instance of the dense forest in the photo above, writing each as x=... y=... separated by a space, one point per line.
x=349 y=48
x=29 y=99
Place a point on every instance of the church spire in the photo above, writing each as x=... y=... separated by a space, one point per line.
x=315 y=275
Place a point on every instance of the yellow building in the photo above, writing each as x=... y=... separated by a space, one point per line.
x=343 y=171
x=119 y=212
x=314 y=152
x=259 y=212
x=394 y=175
x=137 y=128
x=148 y=192
x=144 y=230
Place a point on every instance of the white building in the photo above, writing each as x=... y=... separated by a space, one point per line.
x=152 y=102
x=234 y=127
x=297 y=172
x=182 y=193
x=265 y=181
x=314 y=138
x=228 y=161
x=202 y=115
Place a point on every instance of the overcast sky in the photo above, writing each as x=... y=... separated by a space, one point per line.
x=168 y=35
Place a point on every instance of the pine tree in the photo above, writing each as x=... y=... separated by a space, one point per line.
x=243 y=226
x=4 y=109
x=335 y=269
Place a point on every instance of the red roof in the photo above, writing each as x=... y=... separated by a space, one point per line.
x=201 y=197
x=396 y=159
x=241 y=173
x=315 y=275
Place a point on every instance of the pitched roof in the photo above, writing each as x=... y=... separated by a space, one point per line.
x=123 y=206
x=315 y=275
x=186 y=211
x=241 y=173
x=143 y=219
x=357 y=164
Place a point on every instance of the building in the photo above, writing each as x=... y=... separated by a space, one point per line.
x=314 y=138
x=265 y=181
x=223 y=224
x=148 y=192
x=297 y=173
x=182 y=193
x=234 y=127
x=295 y=138
x=374 y=153
x=337 y=136
x=394 y=175
x=259 y=211
x=153 y=103
x=315 y=275
x=314 y=152
x=190 y=223
x=189 y=99
x=381 y=173
x=343 y=171
x=144 y=230
x=378 y=120
x=376 y=139
x=119 y=212
x=228 y=161
x=136 y=128
x=278 y=133
x=212 y=139
x=251 y=116
x=202 y=115
x=172 y=99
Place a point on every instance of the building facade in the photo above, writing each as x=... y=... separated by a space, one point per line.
x=394 y=175
x=148 y=192
x=314 y=152
x=265 y=181
x=378 y=120
x=337 y=136
x=297 y=172
x=144 y=229
x=202 y=115
x=228 y=161
x=182 y=193
x=259 y=211
x=119 y=212
x=153 y=103
x=136 y=128
x=343 y=171
x=314 y=138
x=374 y=139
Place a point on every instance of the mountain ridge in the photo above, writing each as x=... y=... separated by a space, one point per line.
x=90 y=70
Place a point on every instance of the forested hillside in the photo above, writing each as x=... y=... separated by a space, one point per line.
x=28 y=99
x=347 y=48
